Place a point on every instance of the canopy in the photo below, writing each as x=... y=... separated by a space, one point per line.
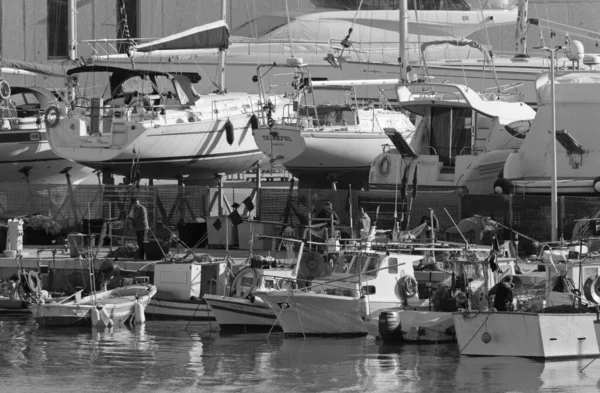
x=210 y=36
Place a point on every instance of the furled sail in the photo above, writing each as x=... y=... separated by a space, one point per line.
x=34 y=68
x=210 y=36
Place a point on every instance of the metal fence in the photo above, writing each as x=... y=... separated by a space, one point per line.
x=172 y=204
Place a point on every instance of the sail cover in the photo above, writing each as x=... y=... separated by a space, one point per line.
x=210 y=36
x=57 y=70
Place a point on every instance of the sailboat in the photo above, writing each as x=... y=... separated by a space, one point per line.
x=331 y=133
x=24 y=149
x=158 y=122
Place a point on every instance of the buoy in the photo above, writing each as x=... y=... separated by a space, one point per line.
x=4 y=89
x=95 y=317
x=363 y=307
x=229 y=132
x=596 y=184
x=486 y=338
x=140 y=316
x=106 y=320
x=502 y=186
x=51 y=116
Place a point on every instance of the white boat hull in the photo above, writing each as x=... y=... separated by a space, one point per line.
x=419 y=326
x=521 y=334
x=242 y=315
x=544 y=186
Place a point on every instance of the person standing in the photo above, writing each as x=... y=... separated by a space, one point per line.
x=139 y=216
x=363 y=223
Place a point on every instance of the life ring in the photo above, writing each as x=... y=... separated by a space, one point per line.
x=409 y=286
x=254 y=122
x=229 y=132
x=385 y=165
x=4 y=89
x=34 y=282
x=51 y=116
x=596 y=185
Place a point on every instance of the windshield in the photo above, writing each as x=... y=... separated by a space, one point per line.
x=343 y=263
x=421 y=5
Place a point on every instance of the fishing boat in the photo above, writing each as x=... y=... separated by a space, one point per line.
x=345 y=300
x=529 y=170
x=114 y=307
x=330 y=134
x=156 y=121
x=241 y=310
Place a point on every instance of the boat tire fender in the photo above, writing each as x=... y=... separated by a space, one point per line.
x=4 y=89
x=229 y=132
x=254 y=122
x=385 y=166
x=596 y=185
x=502 y=186
x=51 y=116
x=409 y=286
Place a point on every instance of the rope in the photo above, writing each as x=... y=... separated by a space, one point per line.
x=477 y=332
x=298 y=315
x=279 y=315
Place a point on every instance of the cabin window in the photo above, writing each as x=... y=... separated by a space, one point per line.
x=368 y=290
x=58 y=29
x=343 y=263
x=358 y=265
x=127 y=22
x=371 y=266
x=450 y=133
x=34 y=136
x=392 y=265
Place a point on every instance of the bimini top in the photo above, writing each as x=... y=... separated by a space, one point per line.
x=118 y=76
x=578 y=87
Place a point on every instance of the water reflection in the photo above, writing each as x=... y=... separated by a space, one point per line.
x=165 y=357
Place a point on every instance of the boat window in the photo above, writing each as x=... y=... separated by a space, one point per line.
x=358 y=265
x=371 y=266
x=343 y=263
x=269 y=283
x=138 y=85
x=450 y=133
x=392 y=265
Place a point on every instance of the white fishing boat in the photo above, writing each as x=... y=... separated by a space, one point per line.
x=330 y=133
x=462 y=139
x=157 y=122
x=112 y=308
x=529 y=170
x=348 y=300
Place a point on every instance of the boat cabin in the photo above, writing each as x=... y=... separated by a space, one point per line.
x=24 y=109
x=249 y=279
x=382 y=276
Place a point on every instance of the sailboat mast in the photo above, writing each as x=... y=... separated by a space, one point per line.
x=402 y=56
x=72 y=30
x=521 y=33
x=554 y=189
x=222 y=51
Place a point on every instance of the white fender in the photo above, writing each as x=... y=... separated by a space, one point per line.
x=363 y=307
x=95 y=317
x=138 y=310
x=106 y=320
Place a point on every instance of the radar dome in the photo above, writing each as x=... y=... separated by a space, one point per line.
x=575 y=51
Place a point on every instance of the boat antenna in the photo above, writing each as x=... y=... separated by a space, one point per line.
x=125 y=32
x=289 y=28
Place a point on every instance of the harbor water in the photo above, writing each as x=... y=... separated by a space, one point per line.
x=178 y=357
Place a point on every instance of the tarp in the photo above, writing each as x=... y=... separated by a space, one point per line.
x=573 y=87
x=210 y=36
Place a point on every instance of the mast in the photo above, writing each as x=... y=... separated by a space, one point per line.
x=521 y=32
x=72 y=30
x=221 y=69
x=402 y=57
x=554 y=189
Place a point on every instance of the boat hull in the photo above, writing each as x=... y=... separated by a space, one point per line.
x=188 y=310
x=238 y=315
x=417 y=326
x=534 y=335
x=15 y=307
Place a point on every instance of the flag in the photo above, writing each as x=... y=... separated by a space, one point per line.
x=235 y=218
x=248 y=203
x=414 y=184
x=217 y=224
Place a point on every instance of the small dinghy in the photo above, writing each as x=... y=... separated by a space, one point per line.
x=114 y=307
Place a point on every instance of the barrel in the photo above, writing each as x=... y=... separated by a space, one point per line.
x=390 y=328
